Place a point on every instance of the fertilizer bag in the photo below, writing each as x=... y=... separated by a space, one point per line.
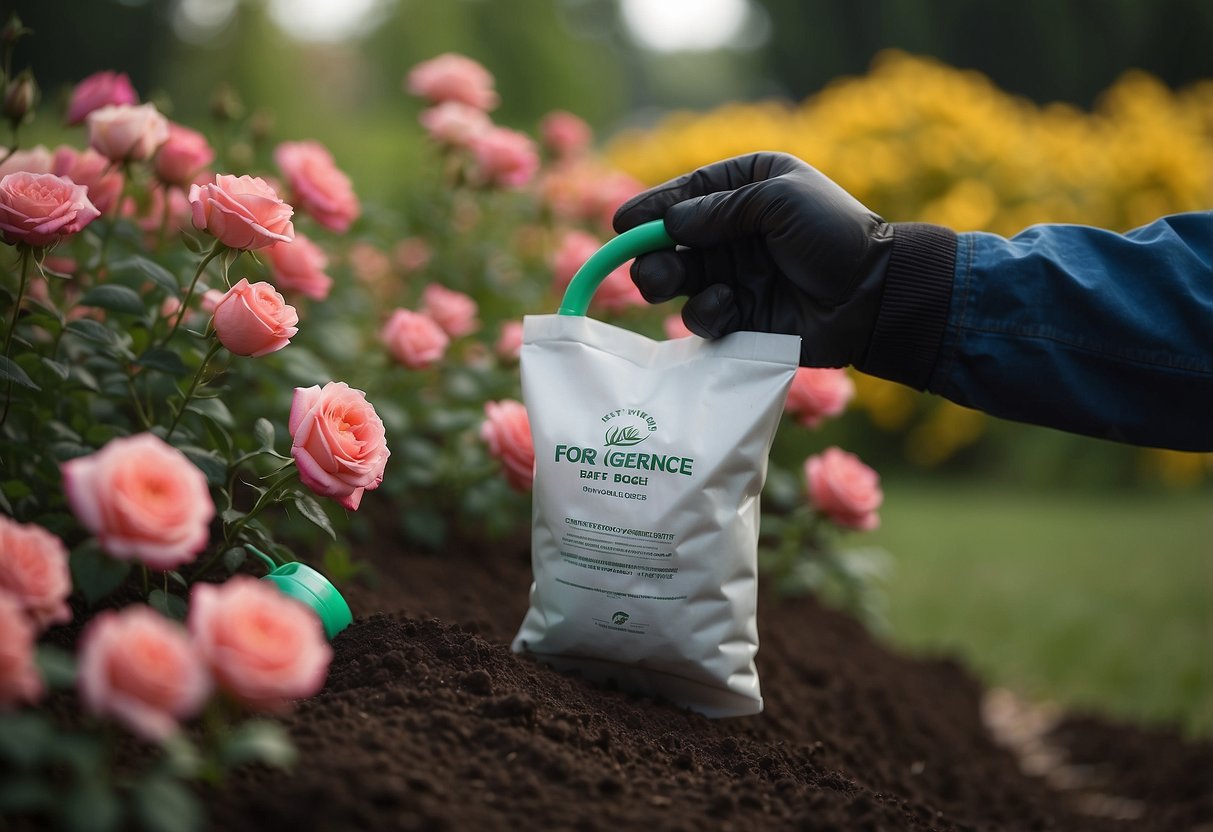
x=650 y=457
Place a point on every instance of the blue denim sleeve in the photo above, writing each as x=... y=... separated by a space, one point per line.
x=1089 y=331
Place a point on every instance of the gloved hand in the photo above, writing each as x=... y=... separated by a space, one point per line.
x=773 y=245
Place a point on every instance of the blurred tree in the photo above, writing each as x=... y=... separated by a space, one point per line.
x=1041 y=49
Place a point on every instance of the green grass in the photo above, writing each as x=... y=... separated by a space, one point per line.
x=1089 y=600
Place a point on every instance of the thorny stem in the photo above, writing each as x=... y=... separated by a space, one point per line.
x=189 y=394
x=216 y=249
x=12 y=327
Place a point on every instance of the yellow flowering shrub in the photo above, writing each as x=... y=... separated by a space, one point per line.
x=918 y=140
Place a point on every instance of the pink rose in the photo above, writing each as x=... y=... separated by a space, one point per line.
x=818 y=393
x=143 y=500
x=262 y=647
x=299 y=266
x=242 y=212
x=675 y=327
x=35 y=160
x=92 y=170
x=182 y=156
x=452 y=77
x=504 y=158
x=412 y=254
x=507 y=431
x=317 y=186
x=454 y=124
x=141 y=669
x=19 y=678
x=413 y=339
x=33 y=570
x=40 y=209
x=611 y=190
x=564 y=134
x=617 y=292
x=99 y=90
x=509 y=344
x=254 y=320
x=575 y=248
x=210 y=300
x=454 y=311
x=844 y=489
x=370 y=265
x=127 y=132
x=338 y=442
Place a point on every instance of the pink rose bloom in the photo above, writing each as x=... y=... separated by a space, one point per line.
x=262 y=647
x=99 y=90
x=504 y=158
x=19 y=678
x=92 y=170
x=413 y=339
x=844 y=489
x=454 y=311
x=509 y=344
x=40 y=209
x=575 y=248
x=452 y=77
x=141 y=669
x=33 y=570
x=143 y=499
x=507 y=431
x=242 y=212
x=254 y=320
x=412 y=254
x=338 y=442
x=180 y=213
x=127 y=132
x=35 y=160
x=818 y=393
x=182 y=156
x=675 y=327
x=370 y=265
x=610 y=191
x=454 y=124
x=618 y=292
x=210 y=300
x=317 y=186
x=565 y=134
x=171 y=307
x=299 y=266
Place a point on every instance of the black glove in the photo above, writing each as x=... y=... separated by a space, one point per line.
x=773 y=245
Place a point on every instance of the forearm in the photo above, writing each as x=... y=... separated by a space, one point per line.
x=1071 y=327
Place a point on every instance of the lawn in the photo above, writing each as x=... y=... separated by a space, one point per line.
x=1089 y=600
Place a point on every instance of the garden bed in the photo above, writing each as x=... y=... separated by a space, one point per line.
x=429 y=722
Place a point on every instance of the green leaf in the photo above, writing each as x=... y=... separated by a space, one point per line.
x=16 y=489
x=210 y=463
x=90 y=807
x=11 y=371
x=259 y=741
x=63 y=451
x=314 y=513
x=230 y=515
x=114 y=297
x=61 y=370
x=176 y=577
x=166 y=361
x=168 y=604
x=213 y=409
x=25 y=794
x=96 y=574
x=23 y=738
x=57 y=667
x=181 y=756
x=263 y=434
x=148 y=268
x=234 y=558
x=163 y=804
x=90 y=330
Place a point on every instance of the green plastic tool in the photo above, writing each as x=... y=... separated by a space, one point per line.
x=303 y=583
x=642 y=239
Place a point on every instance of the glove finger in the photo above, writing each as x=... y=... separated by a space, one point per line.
x=662 y=275
x=712 y=313
x=725 y=175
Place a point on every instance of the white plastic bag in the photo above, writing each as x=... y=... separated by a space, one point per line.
x=650 y=457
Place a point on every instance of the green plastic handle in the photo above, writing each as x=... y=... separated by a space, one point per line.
x=642 y=239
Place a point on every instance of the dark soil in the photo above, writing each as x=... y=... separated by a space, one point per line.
x=429 y=722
